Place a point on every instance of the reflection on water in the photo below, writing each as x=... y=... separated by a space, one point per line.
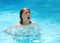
x=25 y=34
x=44 y=32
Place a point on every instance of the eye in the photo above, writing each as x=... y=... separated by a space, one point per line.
x=25 y=13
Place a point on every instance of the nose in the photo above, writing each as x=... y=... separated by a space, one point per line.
x=28 y=14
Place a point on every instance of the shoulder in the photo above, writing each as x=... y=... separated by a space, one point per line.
x=17 y=25
x=32 y=23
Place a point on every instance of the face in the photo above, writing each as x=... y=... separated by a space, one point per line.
x=26 y=14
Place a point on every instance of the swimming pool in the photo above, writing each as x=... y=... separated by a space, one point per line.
x=45 y=13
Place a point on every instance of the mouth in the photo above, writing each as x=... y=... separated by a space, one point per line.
x=28 y=17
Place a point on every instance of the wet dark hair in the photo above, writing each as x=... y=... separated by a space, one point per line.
x=21 y=19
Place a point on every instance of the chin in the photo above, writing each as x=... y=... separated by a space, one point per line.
x=28 y=19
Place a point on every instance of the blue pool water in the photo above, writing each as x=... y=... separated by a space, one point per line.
x=44 y=13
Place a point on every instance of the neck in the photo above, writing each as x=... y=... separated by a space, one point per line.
x=26 y=22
